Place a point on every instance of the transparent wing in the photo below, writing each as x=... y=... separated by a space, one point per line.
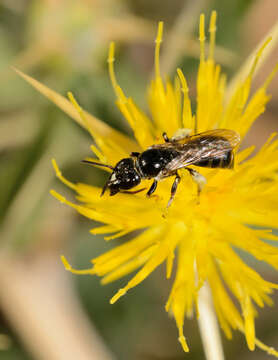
x=203 y=147
x=232 y=136
x=184 y=160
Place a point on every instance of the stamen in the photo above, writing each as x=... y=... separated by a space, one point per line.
x=268 y=142
x=68 y=267
x=202 y=37
x=212 y=31
x=158 y=42
x=183 y=81
x=60 y=176
x=128 y=267
x=59 y=197
x=111 y=60
x=123 y=102
x=186 y=109
x=105 y=229
x=96 y=151
x=181 y=338
x=268 y=349
x=257 y=57
x=117 y=235
x=160 y=253
x=124 y=106
x=121 y=95
x=116 y=297
x=270 y=77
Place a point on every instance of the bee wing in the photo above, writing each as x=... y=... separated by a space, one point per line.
x=185 y=159
x=167 y=145
x=204 y=147
x=232 y=136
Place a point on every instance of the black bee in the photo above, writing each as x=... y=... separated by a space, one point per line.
x=210 y=149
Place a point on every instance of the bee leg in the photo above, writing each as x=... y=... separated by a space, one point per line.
x=165 y=137
x=181 y=134
x=134 y=154
x=132 y=191
x=174 y=189
x=199 y=179
x=152 y=188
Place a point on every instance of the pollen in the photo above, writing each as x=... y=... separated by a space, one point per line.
x=198 y=234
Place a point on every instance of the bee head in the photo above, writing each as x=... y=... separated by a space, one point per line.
x=123 y=177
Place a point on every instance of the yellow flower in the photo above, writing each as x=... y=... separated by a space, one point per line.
x=202 y=233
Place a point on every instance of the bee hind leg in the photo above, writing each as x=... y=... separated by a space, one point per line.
x=199 y=179
x=165 y=137
x=179 y=135
x=174 y=189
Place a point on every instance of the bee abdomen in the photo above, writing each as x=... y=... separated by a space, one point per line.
x=225 y=161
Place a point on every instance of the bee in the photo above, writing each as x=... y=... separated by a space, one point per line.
x=209 y=149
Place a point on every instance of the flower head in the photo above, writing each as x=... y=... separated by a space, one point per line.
x=201 y=232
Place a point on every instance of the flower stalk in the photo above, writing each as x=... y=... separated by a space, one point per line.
x=208 y=325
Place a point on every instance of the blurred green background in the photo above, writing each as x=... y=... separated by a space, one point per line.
x=45 y=312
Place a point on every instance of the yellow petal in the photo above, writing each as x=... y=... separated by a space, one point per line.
x=96 y=125
x=246 y=66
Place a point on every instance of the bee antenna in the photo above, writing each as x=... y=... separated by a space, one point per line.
x=97 y=163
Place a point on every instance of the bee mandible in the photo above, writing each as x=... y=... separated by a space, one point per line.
x=210 y=149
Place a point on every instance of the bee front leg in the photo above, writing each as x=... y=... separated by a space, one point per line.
x=199 y=179
x=174 y=189
x=152 y=188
